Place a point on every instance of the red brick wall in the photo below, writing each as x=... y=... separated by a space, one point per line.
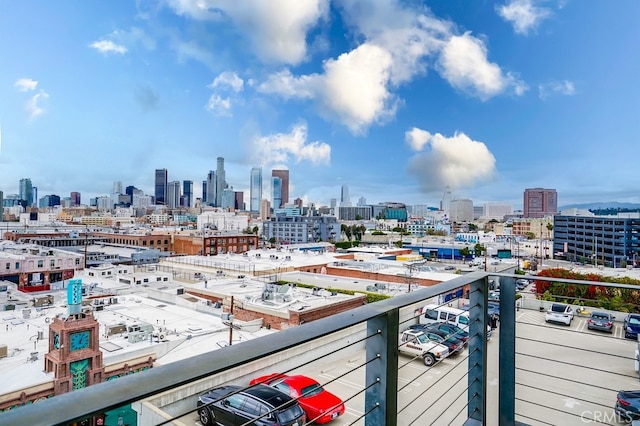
x=354 y=273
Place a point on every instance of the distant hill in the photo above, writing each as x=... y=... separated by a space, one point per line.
x=602 y=206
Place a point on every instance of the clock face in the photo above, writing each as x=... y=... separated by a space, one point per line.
x=79 y=340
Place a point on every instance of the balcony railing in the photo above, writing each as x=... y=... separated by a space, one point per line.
x=529 y=372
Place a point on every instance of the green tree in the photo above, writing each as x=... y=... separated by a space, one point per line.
x=358 y=217
x=473 y=227
x=478 y=249
x=530 y=235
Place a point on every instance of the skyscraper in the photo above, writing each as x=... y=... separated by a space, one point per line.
x=161 y=186
x=276 y=192
x=26 y=192
x=1 y=207
x=173 y=194
x=221 y=183
x=446 y=201
x=116 y=191
x=211 y=195
x=345 y=199
x=284 y=186
x=255 y=189
x=239 y=200
x=187 y=193
x=540 y=202
x=75 y=199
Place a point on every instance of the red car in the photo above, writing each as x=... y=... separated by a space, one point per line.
x=320 y=405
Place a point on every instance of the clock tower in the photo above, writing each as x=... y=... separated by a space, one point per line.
x=74 y=346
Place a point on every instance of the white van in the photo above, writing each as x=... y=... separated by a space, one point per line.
x=437 y=313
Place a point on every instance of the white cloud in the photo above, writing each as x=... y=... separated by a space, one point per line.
x=417 y=138
x=219 y=106
x=564 y=87
x=357 y=88
x=464 y=64
x=456 y=161
x=25 y=84
x=107 y=46
x=524 y=15
x=34 y=104
x=227 y=79
x=288 y=86
x=277 y=29
x=353 y=89
x=279 y=147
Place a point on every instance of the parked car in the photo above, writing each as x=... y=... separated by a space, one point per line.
x=450 y=329
x=415 y=343
x=454 y=344
x=320 y=405
x=559 y=312
x=233 y=405
x=449 y=268
x=632 y=326
x=601 y=321
x=521 y=284
x=628 y=405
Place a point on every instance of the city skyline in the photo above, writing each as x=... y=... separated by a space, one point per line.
x=398 y=103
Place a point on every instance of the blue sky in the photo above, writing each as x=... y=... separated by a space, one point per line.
x=395 y=99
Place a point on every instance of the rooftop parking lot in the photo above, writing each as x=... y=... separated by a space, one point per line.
x=565 y=375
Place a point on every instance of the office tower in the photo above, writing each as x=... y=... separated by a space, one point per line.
x=239 y=201
x=345 y=200
x=1 y=207
x=446 y=201
x=210 y=196
x=461 y=210
x=540 y=202
x=26 y=192
x=228 y=199
x=35 y=195
x=75 y=199
x=173 y=194
x=255 y=189
x=496 y=210
x=265 y=209
x=187 y=193
x=298 y=203
x=115 y=192
x=333 y=203
x=276 y=192
x=221 y=184
x=284 y=186
x=161 y=186
x=362 y=202
x=204 y=193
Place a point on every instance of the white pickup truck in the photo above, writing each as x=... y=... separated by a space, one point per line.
x=417 y=344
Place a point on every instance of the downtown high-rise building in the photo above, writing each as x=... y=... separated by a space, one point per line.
x=276 y=192
x=540 y=202
x=173 y=194
x=26 y=192
x=345 y=199
x=161 y=186
x=75 y=199
x=284 y=186
x=209 y=186
x=255 y=189
x=116 y=191
x=221 y=183
x=187 y=193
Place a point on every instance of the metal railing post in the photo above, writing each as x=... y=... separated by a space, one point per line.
x=477 y=393
x=381 y=403
x=507 y=352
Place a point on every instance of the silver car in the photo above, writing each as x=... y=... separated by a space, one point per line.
x=601 y=321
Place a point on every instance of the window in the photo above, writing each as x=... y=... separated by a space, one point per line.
x=52 y=263
x=431 y=314
x=40 y=263
x=8 y=266
x=236 y=401
x=17 y=265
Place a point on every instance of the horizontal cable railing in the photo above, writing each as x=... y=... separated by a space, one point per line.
x=529 y=372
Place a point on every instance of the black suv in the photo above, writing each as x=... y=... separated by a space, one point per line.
x=260 y=405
